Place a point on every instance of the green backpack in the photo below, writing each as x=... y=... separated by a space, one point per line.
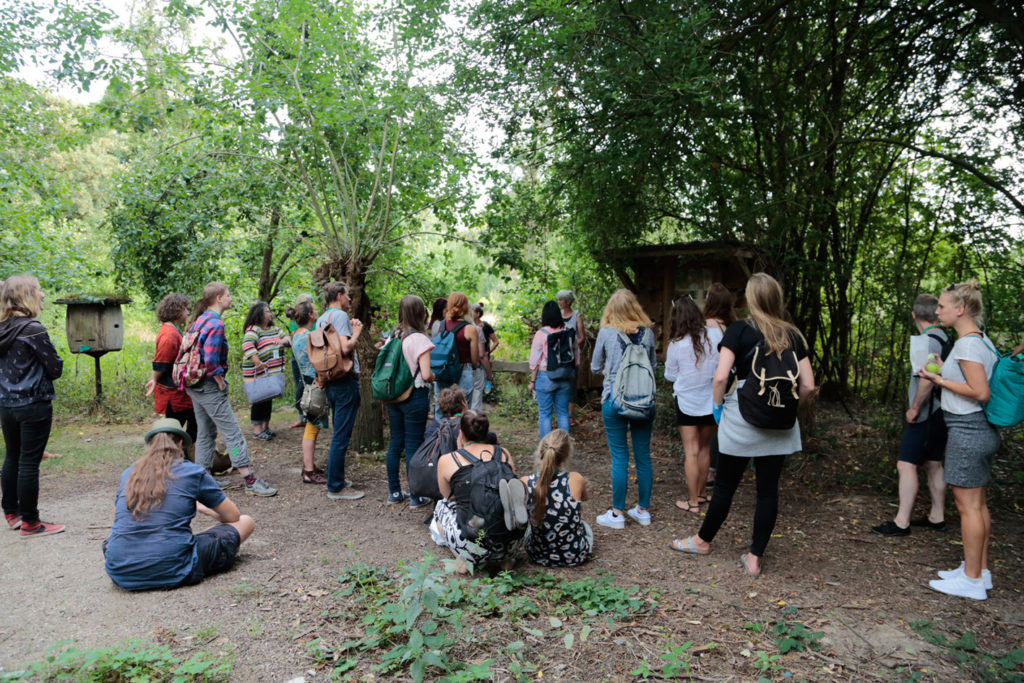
x=391 y=381
x=1005 y=407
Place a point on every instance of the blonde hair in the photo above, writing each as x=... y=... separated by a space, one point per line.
x=554 y=449
x=458 y=307
x=968 y=295
x=766 y=306
x=19 y=297
x=146 y=487
x=624 y=313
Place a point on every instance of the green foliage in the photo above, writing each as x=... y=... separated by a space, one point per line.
x=133 y=660
x=676 y=662
x=795 y=636
x=416 y=620
x=964 y=651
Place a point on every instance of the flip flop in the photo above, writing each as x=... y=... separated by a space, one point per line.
x=687 y=547
x=685 y=506
x=743 y=565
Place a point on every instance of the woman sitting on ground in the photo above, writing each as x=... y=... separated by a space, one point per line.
x=557 y=535
x=151 y=544
x=453 y=471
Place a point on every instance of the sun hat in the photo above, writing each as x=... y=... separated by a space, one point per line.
x=168 y=425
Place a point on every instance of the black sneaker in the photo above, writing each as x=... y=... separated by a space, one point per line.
x=890 y=528
x=928 y=524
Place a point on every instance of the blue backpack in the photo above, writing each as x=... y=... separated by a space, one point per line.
x=444 y=357
x=1005 y=407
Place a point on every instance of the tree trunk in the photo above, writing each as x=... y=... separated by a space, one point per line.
x=368 y=432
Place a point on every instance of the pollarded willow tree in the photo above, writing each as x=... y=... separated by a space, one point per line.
x=784 y=124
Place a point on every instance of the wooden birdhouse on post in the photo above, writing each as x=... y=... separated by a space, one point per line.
x=95 y=326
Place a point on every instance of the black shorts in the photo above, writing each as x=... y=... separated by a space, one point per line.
x=923 y=441
x=684 y=420
x=216 y=549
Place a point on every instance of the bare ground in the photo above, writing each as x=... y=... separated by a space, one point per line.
x=823 y=569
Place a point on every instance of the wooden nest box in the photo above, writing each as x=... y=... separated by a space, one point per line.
x=94 y=325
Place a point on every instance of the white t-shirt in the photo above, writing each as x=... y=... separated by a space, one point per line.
x=691 y=383
x=971 y=348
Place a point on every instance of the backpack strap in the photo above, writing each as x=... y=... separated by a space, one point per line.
x=469 y=457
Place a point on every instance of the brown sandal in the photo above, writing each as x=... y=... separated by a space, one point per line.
x=313 y=477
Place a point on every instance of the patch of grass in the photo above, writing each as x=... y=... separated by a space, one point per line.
x=133 y=660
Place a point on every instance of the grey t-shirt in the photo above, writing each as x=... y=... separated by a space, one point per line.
x=339 y=320
x=932 y=404
x=608 y=354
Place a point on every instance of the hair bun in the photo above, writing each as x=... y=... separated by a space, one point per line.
x=973 y=283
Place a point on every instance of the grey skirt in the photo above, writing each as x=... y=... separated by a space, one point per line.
x=739 y=438
x=970 y=448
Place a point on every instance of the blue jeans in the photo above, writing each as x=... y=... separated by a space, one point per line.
x=552 y=394
x=615 y=427
x=26 y=431
x=465 y=383
x=407 y=421
x=344 y=398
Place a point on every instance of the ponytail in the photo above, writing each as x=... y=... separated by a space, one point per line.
x=210 y=294
x=554 y=450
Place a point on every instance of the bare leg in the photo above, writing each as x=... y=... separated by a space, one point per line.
x=937 y=488
x=987 y=518
x=308 y=449
x=908 y=492
x=704 y=434
x=691 y=463
x=971 y=505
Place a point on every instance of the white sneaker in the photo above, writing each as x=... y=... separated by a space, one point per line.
x=960 y=586
x=612 y=520
x=643 y=517
x=436 y=535
x=986 y=575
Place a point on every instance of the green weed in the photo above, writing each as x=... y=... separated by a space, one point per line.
x=133 y=660
x=964 y=650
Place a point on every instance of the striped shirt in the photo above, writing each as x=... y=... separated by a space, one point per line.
x=268 y=345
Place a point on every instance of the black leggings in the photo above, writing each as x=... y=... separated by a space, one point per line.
x=187 y=418
x=768 y=468
x=259 y=413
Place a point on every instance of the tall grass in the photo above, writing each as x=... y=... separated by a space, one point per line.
x=124 y=373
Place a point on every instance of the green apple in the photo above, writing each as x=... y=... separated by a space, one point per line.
x=932 y=367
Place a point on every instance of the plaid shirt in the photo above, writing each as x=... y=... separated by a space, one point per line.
x=212 y=342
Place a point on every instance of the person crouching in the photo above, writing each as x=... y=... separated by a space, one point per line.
x=151 y=544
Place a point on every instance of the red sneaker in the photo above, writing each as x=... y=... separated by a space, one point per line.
x=40 y=529
x=13 y=521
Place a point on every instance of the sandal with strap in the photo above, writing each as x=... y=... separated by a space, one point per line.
x=685 y=506
x=313 y=477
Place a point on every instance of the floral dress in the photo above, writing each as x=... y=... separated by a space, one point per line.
x=563 y=539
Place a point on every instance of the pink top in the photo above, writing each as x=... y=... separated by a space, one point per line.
x=414 y=346
x=539 y=348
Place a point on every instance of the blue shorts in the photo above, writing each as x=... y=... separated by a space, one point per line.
x=924 y=441
x=215 y=550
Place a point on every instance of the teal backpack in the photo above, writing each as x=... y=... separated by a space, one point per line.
x=1005 y=407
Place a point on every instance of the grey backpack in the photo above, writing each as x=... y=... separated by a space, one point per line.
x=313 y=403
x=633 y=388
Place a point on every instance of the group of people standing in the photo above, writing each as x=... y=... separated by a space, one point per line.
x=709 y=359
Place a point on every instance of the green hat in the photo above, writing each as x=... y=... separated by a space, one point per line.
x=168 y=425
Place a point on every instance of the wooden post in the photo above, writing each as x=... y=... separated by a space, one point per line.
x=99 y=380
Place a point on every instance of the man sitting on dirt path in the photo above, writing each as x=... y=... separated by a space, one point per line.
x=210 y=395
x=924 y=436
x=151 y=543
x=342 y=393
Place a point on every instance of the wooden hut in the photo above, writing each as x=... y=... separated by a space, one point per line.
x=657 y=274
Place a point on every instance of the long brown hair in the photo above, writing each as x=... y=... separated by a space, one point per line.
x=146 y=487
x=210 y=294
x=458 y=307
x=768 y=313
x=686 y=320
x=19 y=297
x=554 y=449
x=412 y=313
x=718 y=303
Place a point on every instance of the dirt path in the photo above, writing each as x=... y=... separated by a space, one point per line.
x=823 y=569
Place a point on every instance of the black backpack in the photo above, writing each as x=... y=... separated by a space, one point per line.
x=946 y=348
x=479 y=511
x=561 y=354
x=422 y=473
x=770 y=396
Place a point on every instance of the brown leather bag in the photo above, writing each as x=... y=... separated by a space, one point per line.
x=325 y=354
